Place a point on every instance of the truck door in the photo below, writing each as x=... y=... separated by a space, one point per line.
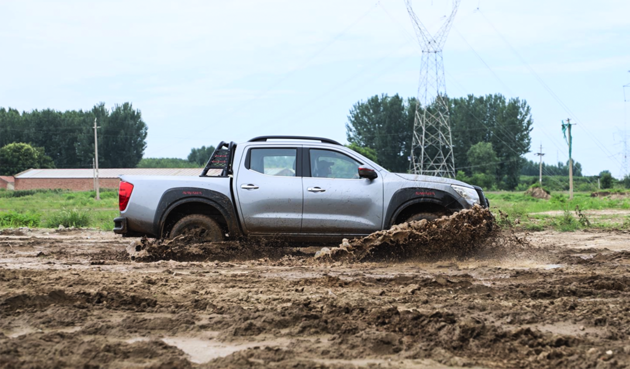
x=336 y=200
x=269 y=189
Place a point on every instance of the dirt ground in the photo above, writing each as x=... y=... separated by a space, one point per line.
x=75 y=299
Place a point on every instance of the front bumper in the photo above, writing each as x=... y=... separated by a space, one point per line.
x=483 y=200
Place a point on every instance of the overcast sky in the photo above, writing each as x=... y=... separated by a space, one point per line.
x=206 y=71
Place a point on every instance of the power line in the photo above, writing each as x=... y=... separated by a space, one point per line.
x=500 y=128
x=285 y=77
x=546 y=87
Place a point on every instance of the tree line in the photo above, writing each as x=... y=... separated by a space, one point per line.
x=197 y=158
x=67 y=138
x=490 y=134
x=531 y=168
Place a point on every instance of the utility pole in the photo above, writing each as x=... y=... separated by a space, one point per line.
x=98 y=195
x=541 y=154
x=93 y=175
x=567 y=127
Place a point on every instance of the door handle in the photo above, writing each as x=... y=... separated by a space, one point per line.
x=316 y=189
x=249 y=187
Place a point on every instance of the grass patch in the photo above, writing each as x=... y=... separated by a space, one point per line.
x=68 y=218
x=527 y=210
x=566 y=222
x=49 y=206
x=13 y=219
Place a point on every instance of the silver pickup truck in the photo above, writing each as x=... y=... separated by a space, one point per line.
x=301 y=189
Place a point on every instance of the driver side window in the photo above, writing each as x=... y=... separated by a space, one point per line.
x=332 y=164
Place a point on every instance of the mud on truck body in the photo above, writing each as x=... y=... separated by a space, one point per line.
x=294 y=188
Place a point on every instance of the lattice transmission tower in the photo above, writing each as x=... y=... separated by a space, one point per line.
x=432 y=146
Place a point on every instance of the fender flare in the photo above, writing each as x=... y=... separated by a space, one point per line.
x=175 y=197
x=407 y=197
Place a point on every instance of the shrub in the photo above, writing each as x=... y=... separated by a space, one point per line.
x=13 y=219
x=567 y=223
x=586 y=187
x=606 y=179
x=482 y=180
x=557 y=198
x=68 y=218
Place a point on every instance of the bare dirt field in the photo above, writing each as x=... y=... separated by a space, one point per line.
x=75 y=299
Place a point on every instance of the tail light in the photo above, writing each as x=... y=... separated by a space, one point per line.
x=124 y=193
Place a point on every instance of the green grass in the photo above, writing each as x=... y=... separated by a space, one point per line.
x=517 y=205
x=13 y=219
x=68 y=218
x=50 y=208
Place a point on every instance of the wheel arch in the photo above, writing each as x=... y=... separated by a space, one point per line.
x=418 y=206
x=417 y=199
x=216 y=205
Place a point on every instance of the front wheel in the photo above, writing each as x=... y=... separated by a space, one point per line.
x=419 y=216
x=201 y=227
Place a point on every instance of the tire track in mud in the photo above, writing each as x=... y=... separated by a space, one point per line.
x=299 y=312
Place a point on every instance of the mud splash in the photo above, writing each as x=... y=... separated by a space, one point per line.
x=465 y=233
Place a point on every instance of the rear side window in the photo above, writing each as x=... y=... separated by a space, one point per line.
x=273 y=162
x=333 y=164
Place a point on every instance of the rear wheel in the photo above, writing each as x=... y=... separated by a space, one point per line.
x=201 y=227
x=419 y=216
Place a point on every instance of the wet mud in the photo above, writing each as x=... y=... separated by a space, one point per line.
x=75 y=299
x=467 y=233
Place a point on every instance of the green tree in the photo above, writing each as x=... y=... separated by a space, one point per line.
x=626 y=181
x=18 y=157
x=384 y=124
x=365 y=151
x=531 y=168
x=492 y=118
x=68 y=137
x=165 y=163
x=200 y=156
x=123 y=138
x=606 y=179
x=482 y=158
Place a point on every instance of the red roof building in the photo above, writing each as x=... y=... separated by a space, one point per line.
x=7 y=182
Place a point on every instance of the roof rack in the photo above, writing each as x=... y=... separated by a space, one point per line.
x=323 y=140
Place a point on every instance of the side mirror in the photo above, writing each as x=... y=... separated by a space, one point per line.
x=368 y=172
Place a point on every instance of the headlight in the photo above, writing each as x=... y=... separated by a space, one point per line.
x=469 y=194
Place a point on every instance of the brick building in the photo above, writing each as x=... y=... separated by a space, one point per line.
x=83 y=179
x=6 y=182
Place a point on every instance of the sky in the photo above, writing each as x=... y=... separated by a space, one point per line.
x=202 y=72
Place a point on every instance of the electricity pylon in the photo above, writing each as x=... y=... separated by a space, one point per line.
x=432 y=145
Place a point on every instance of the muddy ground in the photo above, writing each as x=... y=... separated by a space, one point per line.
x=74 y=299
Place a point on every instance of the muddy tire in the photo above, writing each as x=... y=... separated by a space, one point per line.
x=201 y=227
x=419 y=216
